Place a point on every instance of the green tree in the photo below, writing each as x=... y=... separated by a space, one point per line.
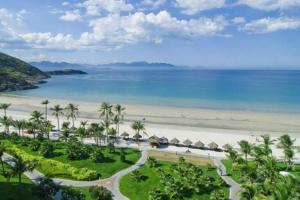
x=119 y=117
x=47 y=149
x=4 y=107
x=6 y=122
x=20 y=166
x=45 y=103
x=106 y=115
x=100 y=193
x=287 y=144
x=19 y=124
x=65 y=131
x=245 y=148
x=122 y=155
x=2 y=150
x=96 y=131
x=138 y=126
x=57 y=111
x=81 y=132
x=72 y=112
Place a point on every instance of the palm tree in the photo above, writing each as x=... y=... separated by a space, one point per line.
x=72 y=112
x=65 y=131
x=267 y=142
x=57 y=111
x=19 y=124
x=31 y=128
x=46 y=102
x=245 y=148
x=6 y=122
x=106 y=115
x=96 y=131
x=46 y=128
x=37 y=117
x=138 y=126
x=119 y=117
x=81 y=132
x=20 y=166
x=4 y=107
x=287 y=144
x=83 y=124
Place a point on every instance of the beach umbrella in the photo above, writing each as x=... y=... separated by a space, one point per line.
x=124 y=134
x=187 y=142
x=227 y=146
x=213 y=145
x=199 y=144
x=174 y=141
x=164 y=140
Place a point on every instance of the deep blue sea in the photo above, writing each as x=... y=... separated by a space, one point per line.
x=255 y=90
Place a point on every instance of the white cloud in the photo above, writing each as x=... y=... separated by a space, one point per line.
x=140 y=27
x=191 y=7
x=270 y=4
x=65 y=3
x=153 y=4
x=238 y=20
x=71 y=16
x=95 y=7
x=49 y=41
x=269 y=25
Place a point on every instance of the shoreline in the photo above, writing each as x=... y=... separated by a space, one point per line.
x=194 y=124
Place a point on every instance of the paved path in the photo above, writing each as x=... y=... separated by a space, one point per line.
x=234 y=187
x=111 y=183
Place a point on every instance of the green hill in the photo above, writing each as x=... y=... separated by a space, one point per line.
x=16 y=74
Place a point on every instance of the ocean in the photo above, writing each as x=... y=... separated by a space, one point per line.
x=251 y=90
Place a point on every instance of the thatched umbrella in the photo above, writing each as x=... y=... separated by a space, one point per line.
x=226 y=146
x=213 y=145
x=199 y=144
x=137 y=136
x=154 y=140
x=187 y=142
x=124 y=135
x=174 y=141
x=164 y=140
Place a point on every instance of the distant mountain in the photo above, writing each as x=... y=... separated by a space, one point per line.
x=49 y=66
x=16 y=74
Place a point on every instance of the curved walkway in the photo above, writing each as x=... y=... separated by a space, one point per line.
x=111 y=183
x=234 y=187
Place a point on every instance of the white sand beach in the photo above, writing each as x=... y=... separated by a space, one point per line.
x=220 y=126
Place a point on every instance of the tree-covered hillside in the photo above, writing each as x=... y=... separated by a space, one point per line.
x=16 y=74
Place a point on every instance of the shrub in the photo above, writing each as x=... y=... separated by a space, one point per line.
x=47 y=149
x=152 y=162
x=136 y=175
x=111 y=148
x=35 y=145
x=97 y=156
x=76 y=151
x=46 y=189
x=122 y=155
x=71 y=194
x=100 y=193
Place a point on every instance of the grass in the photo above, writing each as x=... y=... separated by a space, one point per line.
x=236 y=174
x=14 y=190
x=165 y=156
x=107 y=168
x=140 y=190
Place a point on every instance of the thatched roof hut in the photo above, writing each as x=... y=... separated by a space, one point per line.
x=154 y=137
x=199 y=144
x=174 y=141
x=187 y=142
x=213 y=145
x=137 y=136
x=164 y=140
x=154 y=141
x=125 y=134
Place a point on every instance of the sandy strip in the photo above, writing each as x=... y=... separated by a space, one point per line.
x=220 y=126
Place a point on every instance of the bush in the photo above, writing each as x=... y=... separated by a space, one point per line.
x=35 y=145
x=47 y=149
x=152 y=162
x=122 y=155
x=71 y=194
x=100 y=193
x=46 y=189
x=111 y=148
x=76 y=151
x=97 y=156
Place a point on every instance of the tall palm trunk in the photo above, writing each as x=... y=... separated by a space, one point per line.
x=20 y=177
x=46 y=110
x=58 y=129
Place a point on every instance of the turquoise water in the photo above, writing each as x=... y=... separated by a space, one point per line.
x=218 y=89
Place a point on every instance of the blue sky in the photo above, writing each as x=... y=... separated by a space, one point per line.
x=240 y=33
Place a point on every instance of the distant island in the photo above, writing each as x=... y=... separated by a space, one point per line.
x=64 y=72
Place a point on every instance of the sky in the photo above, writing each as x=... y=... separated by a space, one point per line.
x=210 y=33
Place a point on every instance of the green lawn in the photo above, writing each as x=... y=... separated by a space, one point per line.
x=14 y=190
x=140 y=190
x=110 y=166
x=236 y=174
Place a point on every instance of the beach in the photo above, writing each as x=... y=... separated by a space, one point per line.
x=220 y=126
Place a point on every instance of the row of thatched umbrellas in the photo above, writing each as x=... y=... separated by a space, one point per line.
x=156 y=140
